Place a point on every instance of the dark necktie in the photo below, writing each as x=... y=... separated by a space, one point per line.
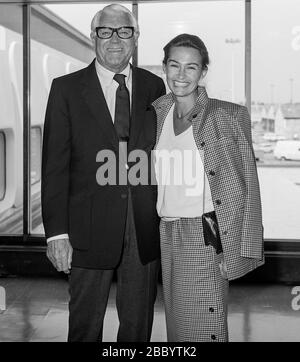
x=122 y=109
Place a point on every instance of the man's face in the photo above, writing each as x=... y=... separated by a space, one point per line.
x=114 y=53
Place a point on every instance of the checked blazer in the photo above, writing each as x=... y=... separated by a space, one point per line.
x=222 y=130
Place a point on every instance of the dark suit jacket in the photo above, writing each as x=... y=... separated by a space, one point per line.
x=222 y=130
x=77 y=126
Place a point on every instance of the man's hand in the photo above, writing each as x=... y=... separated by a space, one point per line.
x=59 y=252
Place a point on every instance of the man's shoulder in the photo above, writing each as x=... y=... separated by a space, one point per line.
x=147 y=75
x=70 y=78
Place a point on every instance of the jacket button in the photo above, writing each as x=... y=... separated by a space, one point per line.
x=212 y=173
x=213 y=337
x=218 y=202
x=124 y=196
x=194 y=115
x=225 y=232
x=202 y=144
x=211 y=309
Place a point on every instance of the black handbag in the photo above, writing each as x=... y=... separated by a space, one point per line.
x=211 y=231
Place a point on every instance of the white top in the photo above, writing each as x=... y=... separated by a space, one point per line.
x=109 y=87
x=183 y=188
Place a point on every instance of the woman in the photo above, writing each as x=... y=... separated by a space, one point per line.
x=205 y=166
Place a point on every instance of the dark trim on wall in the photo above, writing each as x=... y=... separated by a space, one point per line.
x=277 y=269
x=25 y=260
x=28 y=257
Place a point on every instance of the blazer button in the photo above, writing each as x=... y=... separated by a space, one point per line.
x=225 y=232
x=202 y=144
x=194 y=115
x=218 y=202
x=124 y=196
x=211 y=309
x=212 y=173
x=213 y=337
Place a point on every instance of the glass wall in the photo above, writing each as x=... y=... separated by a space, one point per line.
x=276 y=112
x=56 y=49
x=60 y=44
x=11 y=120
x=220 y=24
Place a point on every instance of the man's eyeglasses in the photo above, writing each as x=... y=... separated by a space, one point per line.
x=125 y=32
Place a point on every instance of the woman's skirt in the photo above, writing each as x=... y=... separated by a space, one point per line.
x=195 y=292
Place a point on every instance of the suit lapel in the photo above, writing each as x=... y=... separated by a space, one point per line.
x=138 y=108
x=94 y=98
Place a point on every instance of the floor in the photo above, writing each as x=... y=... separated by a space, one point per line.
x=37 y=310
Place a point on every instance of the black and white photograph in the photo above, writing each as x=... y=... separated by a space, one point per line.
x=149 y=174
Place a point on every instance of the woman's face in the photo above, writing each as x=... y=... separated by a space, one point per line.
x=183 y=70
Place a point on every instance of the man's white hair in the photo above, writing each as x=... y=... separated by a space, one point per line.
x=113 y=8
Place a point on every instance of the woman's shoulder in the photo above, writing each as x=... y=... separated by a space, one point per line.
x=163 y=101
x=225 y=107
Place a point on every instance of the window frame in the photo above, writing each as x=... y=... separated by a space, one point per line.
x=2 y=134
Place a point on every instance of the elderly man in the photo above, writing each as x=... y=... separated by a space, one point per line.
x=94 y=228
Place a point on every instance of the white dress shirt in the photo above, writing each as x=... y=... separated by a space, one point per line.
x=109 y=87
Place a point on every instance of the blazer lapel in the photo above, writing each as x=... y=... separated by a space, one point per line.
x=162 y=110
x=94 y=98
x=202 y=126
x=198 y=121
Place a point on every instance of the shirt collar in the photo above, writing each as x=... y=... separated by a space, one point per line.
x=106 y=76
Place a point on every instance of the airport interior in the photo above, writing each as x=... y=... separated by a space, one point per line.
x=254 y=48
